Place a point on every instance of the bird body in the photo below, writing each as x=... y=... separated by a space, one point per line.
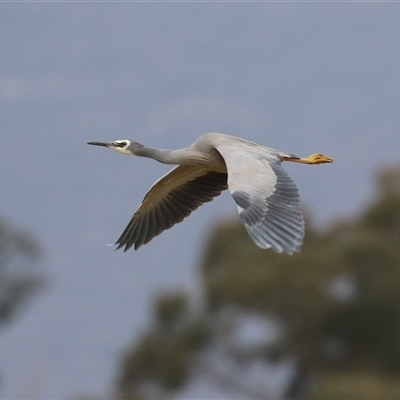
x=267 y=198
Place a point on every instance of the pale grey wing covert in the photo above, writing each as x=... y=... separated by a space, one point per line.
x=171 y=199
x=267 y=198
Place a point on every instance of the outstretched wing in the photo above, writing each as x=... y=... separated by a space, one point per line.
x=267 y=198
x=171 y=199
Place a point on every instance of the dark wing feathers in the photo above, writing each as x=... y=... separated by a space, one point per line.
x=171 y=199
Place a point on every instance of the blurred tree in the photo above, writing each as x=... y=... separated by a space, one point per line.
x=329 y=316
x=18 y=281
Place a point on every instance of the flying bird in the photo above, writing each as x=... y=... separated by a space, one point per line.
x=266 y=197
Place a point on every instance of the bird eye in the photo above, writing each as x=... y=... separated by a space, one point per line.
x=123 y=144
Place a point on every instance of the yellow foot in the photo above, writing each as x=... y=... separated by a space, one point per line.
x=313 y=159
x=317 y=159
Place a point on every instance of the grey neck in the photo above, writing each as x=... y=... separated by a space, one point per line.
x=175 y=157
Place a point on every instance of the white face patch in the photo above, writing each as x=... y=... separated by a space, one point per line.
x=124 y=149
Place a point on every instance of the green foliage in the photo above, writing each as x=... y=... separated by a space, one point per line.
x=160 y=359
x=171 y=308
x=18 y=281
x=359 y=384
x=162 y=355
x=336 y=304
x=384 y=215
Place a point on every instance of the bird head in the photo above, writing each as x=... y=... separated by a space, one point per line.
x=124 y=146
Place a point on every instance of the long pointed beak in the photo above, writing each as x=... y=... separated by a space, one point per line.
x=104 y=144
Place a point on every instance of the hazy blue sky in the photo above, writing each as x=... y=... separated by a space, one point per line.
x=300 y=77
